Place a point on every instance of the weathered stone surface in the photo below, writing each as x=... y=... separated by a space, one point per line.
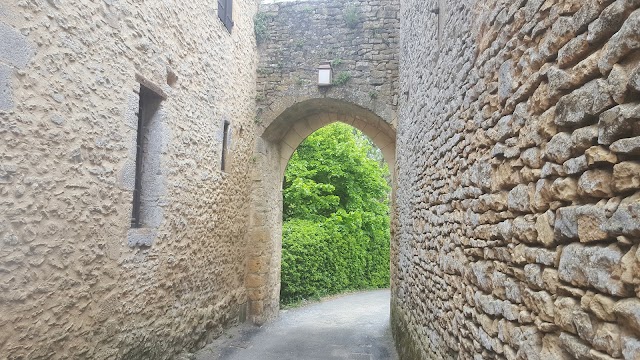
x=564 y=189
x=550 y=170
x=628 y=311
x=631 y=266
x=629 y=146
x=574 y=346
x=609 y=20
x=566 y=224
x=626 y=176
x=505 y=81
x=576 y=165
x=565 y=307
x=618 y=82
x=607 y=339
x=532 y=158
x=630 y=347
x=634 y=80
x=573 y=51
x=478 y=270
x=595 y=183
x=544 y=230
x=624 y=221
x=559 y=148
x=584 y=138
x=540 y=302
x=552 y=63
x=618 y=122
x=621 y=43
x=579 y=107
x=602 y=307
x=592 y=224
x=592 y=266
x=600 y=155
x=519 y=198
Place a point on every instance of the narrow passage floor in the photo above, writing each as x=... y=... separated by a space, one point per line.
x=354 y=327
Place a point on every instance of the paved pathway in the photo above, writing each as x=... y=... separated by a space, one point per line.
x=354 y=327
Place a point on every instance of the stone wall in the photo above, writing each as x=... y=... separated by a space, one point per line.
x=360 y=39
x=75 y=280
x=518 y=180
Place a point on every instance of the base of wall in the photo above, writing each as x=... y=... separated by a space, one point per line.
x=406 y=345
x=407 y=348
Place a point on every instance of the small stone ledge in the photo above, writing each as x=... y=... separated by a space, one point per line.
x=141 y=237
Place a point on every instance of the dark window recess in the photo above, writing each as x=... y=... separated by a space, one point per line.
x=147 y=107
x=225 y=145
x=225 y=8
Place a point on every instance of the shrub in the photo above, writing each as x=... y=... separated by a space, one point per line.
x=336 y=212
x=351 y=15
x=260 y=27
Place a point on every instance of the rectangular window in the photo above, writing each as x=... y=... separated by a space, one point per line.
x=225 y=145
x=147 y=107
x=225 y=8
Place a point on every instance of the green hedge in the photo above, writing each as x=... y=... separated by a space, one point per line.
x=336 y=228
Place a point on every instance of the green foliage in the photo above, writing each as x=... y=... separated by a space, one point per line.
x=299 y=43
x=336 y=62
x=351 y=15
x=336 y=216
x=260 y=26
x=342 y=78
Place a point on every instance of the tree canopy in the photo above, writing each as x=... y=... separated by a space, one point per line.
x=336 y=215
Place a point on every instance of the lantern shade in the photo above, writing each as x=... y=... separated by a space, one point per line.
x=324 y=74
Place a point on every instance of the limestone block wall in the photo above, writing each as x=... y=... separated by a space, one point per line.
x=518 y=191
x=75 y=281
x=359 y=38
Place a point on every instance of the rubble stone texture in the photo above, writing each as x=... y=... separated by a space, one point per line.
x=512 y=128
x=75 y=282
x=522 y=120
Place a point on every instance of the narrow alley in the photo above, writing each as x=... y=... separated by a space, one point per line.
x=353 y=326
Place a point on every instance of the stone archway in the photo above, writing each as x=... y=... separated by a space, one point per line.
x=280 y=138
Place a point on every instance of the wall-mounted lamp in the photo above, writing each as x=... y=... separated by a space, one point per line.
x=324 y=74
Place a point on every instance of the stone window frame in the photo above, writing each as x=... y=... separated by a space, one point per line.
x=144 y=236
x=225 y=145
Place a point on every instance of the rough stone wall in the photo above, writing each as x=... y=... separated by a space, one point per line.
x=360 y=38
x=518 y=180
x=75 y=282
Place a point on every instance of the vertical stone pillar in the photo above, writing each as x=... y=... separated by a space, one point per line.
x=264 y=235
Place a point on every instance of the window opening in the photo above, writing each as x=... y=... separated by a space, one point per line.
x=225 y=144
x=147 y=107
x=225 y=13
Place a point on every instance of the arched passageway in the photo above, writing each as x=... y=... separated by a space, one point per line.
x=281 y=136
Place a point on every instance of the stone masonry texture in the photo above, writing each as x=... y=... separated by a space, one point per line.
x=518 y=192
x=75 y=282
x=512 y=129
x=360 y=39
